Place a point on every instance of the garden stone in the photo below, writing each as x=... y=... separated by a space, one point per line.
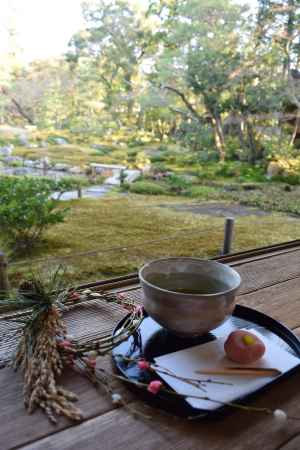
x=38 y=165
x=273 y=169
x=102 y=147
x=22 y=171
x=7 y=150
x=29 y=163
x=61 y=166
x=23 y=140
x=60 y=141
x=75 y=170
x=12 y=159
x=131 y=175
x=231 y=187
x=8 y=159
x=96 y=146
x=146 y=169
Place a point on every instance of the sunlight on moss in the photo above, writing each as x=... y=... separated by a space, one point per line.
x=118 y=227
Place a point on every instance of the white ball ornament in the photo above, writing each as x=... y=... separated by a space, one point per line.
x=280 y=417
x=70 y=337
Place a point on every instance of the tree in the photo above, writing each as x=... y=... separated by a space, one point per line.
x=113 y=45
x=278 y=23
x=201 y=51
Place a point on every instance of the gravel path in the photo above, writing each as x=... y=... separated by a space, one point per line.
x=218 y=209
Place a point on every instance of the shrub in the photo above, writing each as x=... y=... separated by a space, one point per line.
x=204 y=193
x=228 y=169
x=146 y=187
x=163 y=148
x=159 y=167
x=178 y=184
x=158 y=157
x=26 y=210
x=291 y=179
x=244 y=172
x=66 y=184
x=135 y=143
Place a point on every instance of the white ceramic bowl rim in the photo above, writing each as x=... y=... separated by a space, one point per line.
x=234 y=272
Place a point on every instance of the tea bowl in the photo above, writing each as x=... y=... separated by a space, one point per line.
x=188 y=296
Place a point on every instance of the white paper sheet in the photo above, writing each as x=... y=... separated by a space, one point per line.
x=185 y=363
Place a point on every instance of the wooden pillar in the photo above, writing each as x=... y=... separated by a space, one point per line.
x=228 y=235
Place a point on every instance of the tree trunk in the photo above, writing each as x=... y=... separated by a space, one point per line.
x=219 y=136
x=289 y=30
x=22 y=111
x=251 y=143
x=129 y=92
x=241 y=131
x=296 y=128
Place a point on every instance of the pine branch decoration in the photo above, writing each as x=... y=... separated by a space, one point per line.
x=39 y=354
x=44 y=349
x=41 y=361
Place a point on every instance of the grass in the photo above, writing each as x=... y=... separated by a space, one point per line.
x=125 y=223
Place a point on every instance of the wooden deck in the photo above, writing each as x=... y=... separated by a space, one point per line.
x=271 y=284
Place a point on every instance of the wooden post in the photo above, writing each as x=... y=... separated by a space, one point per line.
x=45 y=167
x=4 y=283
x=228 y=235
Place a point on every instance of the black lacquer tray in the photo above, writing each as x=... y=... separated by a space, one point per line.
x=151 y=341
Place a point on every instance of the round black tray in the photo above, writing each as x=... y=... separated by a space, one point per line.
x=151 y=341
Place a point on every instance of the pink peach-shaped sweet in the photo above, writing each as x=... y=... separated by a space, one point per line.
x=244 y=347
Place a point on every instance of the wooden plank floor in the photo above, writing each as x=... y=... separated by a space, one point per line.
x=271 y=283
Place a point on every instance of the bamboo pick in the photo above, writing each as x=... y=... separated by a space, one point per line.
x=242 y=371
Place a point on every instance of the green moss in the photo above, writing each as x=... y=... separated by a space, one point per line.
x=119 y=227
x=146 y=187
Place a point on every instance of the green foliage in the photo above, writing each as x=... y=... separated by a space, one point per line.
x=26 y=210
x=244 y=172
x=146 y=187
x=210 y=75
x=178 y=184
x=159 y=167
x=66 y=184
x=133 y=142
x=132 y=154
x=204 y=193
x=291 y=179
x=158 y=157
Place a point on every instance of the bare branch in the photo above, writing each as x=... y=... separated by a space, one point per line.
x=189 y=106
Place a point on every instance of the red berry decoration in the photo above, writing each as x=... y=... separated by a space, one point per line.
x=75 y=296
x=154 y=387
x=244 y=347
x=143 y=364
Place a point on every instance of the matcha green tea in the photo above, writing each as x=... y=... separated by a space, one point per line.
x=187 y=283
